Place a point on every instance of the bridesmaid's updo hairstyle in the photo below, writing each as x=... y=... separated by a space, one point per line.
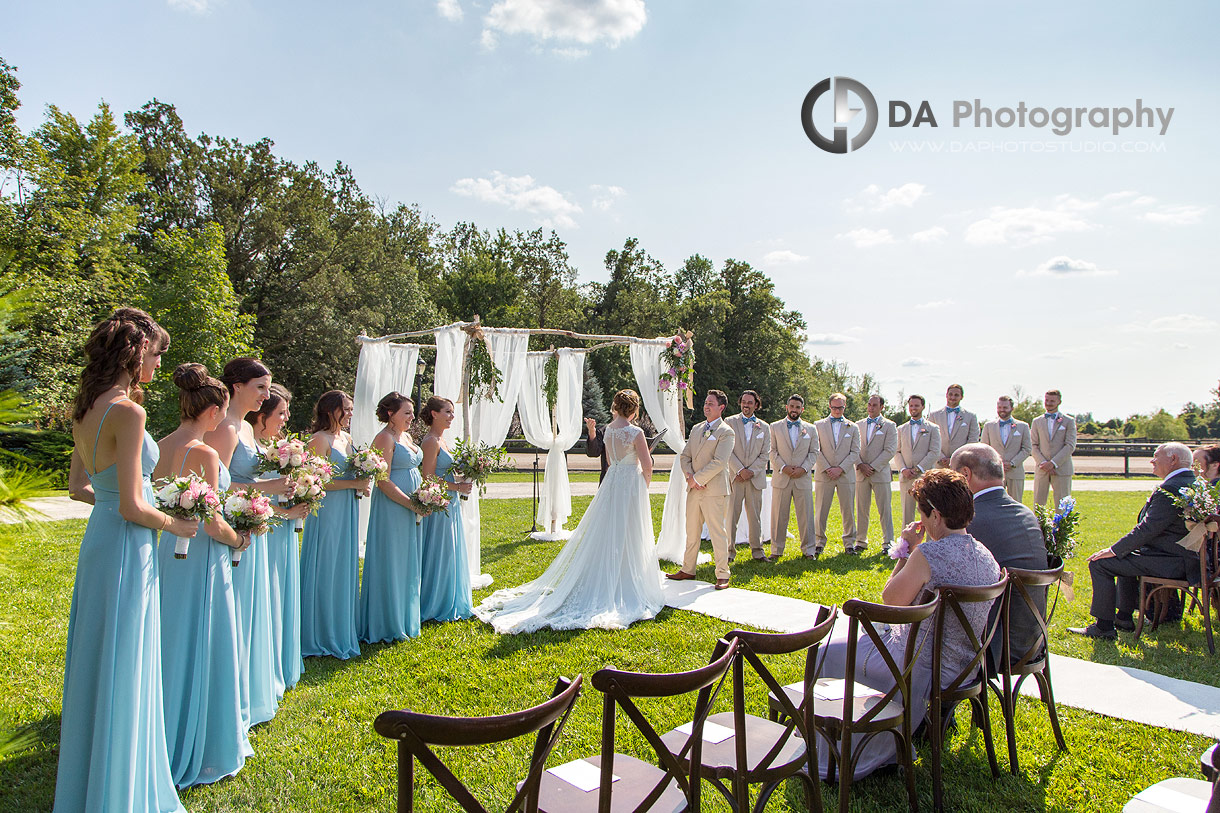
x=199 y=391
x=626 y=403
x=390 y=404
x=241 y=370
x=278 y=395
x=435 y=404
x=324 y=411
x=115 y=347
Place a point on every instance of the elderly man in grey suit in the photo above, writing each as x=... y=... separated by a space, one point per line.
x=1010 y=531
x=705 y=462
x=957 y=426
x=878 y=442
x=1013 y=440
x=751 y=445
x=834 y=473
x=794 y=448
x=918 y=451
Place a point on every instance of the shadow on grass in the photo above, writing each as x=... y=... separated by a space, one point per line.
x=27 y=777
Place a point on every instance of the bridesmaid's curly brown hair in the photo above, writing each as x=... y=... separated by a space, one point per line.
x=114 y=347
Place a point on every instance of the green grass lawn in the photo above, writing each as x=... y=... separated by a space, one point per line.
x=320 y=753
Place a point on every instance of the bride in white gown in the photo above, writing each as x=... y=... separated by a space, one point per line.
x=607 y=574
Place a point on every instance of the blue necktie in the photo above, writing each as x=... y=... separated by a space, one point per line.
x=836 y=420
x=875 y=420
x=748 y=420
x=794 y=424
x=954 y=410
x=1006 y=422
x=917 y=421
x=1052 y=416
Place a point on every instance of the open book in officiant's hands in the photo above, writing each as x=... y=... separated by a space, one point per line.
x=652 y=444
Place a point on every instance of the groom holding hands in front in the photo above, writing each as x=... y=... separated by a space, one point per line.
x=705 y=462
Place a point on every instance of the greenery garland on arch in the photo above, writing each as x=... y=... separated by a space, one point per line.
x=484 y=377
x=550 y=380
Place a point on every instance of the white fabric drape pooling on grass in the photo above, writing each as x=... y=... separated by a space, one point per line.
x=555 y=504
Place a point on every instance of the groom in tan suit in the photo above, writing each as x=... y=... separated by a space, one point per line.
x=794 y=449
x=705 y=462
x=878 y=442
x=751 y=444
x=1012 y=439
x=918 y=451
x=957 y=426
x=834 y=473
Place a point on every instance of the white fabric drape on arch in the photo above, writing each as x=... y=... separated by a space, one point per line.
x=382 y=369
x=663 y=407
x=447 y=377
x=555 y=504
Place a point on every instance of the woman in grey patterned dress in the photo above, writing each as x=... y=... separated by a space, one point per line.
x=935 y=550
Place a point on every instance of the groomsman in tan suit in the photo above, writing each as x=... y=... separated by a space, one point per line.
x=957 y=426
x=1012 y=439
x=878 y=442
x=794 y=449
x=751 y=444
x=1054 y=440
x=918 y=451
x=705 y=461
x=834 y=473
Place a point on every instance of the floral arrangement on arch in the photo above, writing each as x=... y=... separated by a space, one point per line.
x=678 y=358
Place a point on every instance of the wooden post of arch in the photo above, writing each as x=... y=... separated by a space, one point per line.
x=474 y=332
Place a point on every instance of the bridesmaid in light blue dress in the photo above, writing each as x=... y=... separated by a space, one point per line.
x=283 y=552
x=389 y=594
x=249 y=382
x=112 y=754
x=330 y=548
x=200 y=669
x=444 y=592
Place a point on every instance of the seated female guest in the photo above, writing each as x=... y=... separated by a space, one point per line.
x=444 y=591
x=389 y=595
x=330 y=548
x=1207 y=462
x=112 y=753
x=940 y=552
x=283 y=552
x=200 y=668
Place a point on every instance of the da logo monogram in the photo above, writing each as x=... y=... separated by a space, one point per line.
x=844 y=113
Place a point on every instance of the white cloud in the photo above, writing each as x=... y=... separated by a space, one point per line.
x=1119 y=196
x=521 y=194
x=873 y=199
x=1028 y=225
x=939 y=303
x=1178 y=323
x=450 y=10
x=829 y=339
x=783 y=257
x=1062 y=267
x=915 y=361
x=570 y=53
x=193 y=6
x=580 y=21
x=932 y=235
x=1144 y=200
x=867 y=238
x=605 y=196
x=1181 y=346
x=1175 y=215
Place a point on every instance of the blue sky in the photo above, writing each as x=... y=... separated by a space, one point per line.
x=993 y=257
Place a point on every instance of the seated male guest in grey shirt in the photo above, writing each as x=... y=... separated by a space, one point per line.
x=1010 y=531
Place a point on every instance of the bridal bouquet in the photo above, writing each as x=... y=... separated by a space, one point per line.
x=248 y=511
x=476 y=462
x=1199 y=503
x=187 y=497
x=366 y=463
x=431 y=496
x=308 y=484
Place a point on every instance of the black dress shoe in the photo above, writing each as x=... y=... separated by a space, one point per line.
x=1094 y=631
x=1124 y=626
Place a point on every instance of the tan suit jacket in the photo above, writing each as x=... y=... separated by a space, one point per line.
x=921 y=455
x=965 y=430
x=752 y=453
x=707 y=458
x=1018 y=447
x=845 y=454
x=879 y=451
x=1054 y=443
x=805 y=455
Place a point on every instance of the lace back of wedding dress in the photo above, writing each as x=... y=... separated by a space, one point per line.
x=620 y=444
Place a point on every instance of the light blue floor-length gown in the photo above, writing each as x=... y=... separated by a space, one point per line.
x=389 y=594
x=200 y=669
x=112 y=753
x=330 y=574
x=444 y=590
x=252 y=595
x=284 y=556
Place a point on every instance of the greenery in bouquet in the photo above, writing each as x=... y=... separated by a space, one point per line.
x=431 y=496
x=283 y=456
x=678 y=358
x=484 y=376
x=1059 y=527
x=248 y=511
x=1197 y=501
x=476 y=462
x=367 y=463
x=189 y=497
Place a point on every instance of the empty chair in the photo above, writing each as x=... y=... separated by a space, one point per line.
x=415 y=732
x=621 y=782
x=1181 y=794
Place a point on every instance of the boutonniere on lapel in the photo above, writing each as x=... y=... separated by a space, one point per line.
x=708 y=432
